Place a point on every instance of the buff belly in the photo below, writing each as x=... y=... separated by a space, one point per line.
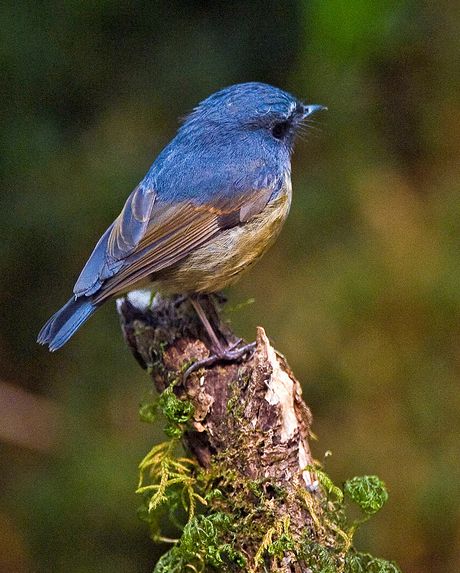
x=221 y=262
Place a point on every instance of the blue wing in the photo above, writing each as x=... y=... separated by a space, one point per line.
x=120 y=239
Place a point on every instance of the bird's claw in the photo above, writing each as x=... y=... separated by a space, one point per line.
x=230 y=354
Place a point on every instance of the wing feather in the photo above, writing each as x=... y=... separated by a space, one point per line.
x=175 y=231
x=130 y=225
x=119 y=240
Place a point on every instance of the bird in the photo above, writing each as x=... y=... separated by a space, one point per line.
x=212 y=203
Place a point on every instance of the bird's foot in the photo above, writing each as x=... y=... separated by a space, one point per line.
x=230 y=354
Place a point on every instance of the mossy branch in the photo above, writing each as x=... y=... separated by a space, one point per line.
x=248 y=496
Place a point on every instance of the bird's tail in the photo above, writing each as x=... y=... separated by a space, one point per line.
x=65 y=322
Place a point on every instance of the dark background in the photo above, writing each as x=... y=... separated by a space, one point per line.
x=361 y=292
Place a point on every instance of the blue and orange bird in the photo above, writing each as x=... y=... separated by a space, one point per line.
x=211 y=204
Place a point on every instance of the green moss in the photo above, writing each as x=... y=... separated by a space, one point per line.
x=203 y=537
x=237 y=513
x=176 y=411
x=211 y=541
x=327 y=483
x=235 y=406
x=365 y=563
x=323 y=559
x=282 y=542
x=203 y=544
x=171 y=562
x=368 y=492
x=167 y=479
x=318 y=557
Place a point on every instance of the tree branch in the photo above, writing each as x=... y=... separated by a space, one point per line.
x=248 y=428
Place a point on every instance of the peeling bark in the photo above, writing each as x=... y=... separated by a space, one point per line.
x=249 y=418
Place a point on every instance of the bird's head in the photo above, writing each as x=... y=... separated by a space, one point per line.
x=248 y=108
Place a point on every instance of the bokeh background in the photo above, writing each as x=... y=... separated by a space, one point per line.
x=361 y=292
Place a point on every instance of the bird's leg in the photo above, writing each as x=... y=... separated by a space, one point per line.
x=221 y=354
x=215 y=342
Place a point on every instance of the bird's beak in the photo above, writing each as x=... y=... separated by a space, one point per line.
x=310 y=109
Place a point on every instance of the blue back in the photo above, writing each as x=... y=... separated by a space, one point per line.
x=224 y=148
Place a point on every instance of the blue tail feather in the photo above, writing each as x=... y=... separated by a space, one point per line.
x=65 y=322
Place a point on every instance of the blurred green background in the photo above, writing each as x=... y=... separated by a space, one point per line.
x=361 y=292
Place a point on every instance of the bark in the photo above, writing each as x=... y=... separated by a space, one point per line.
x=249 y=422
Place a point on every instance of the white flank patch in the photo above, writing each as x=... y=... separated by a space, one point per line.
x=139 y=298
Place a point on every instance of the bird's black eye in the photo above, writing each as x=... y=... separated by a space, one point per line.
x=280 y=129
